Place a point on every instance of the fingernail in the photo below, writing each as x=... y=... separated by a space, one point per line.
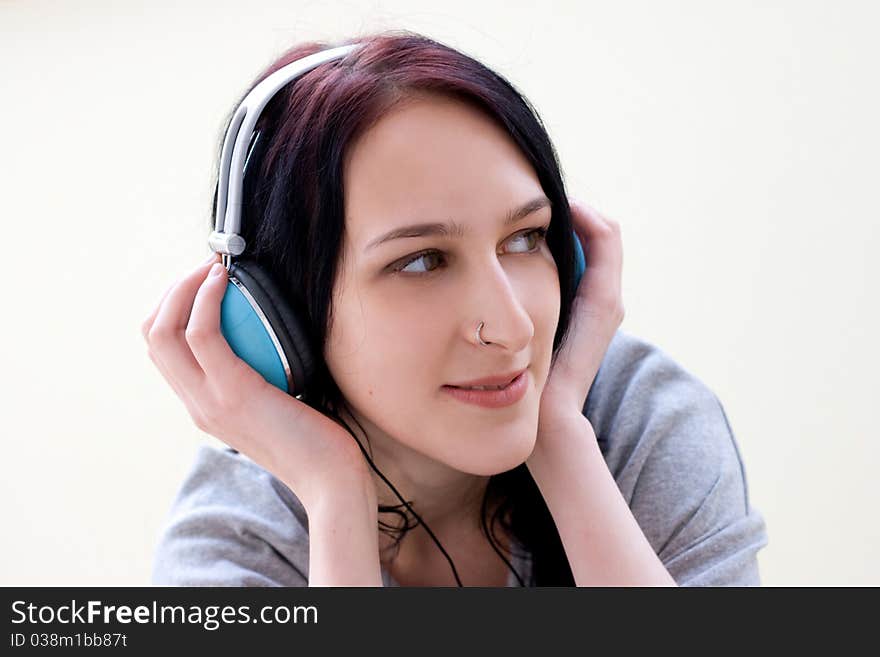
x=211 y=258
x=217 y=269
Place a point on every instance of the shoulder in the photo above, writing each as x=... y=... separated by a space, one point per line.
x=667 y=440
x=638 y=389
x=232 y=524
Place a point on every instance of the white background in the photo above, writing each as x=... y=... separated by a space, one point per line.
x=736 y=142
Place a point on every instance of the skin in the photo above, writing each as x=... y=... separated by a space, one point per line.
x=396 y=338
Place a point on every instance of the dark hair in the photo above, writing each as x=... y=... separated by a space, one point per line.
x=293 y=221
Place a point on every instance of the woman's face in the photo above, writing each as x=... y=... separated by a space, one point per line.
x=397 y=337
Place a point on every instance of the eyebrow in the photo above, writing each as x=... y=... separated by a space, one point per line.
x=453 y=229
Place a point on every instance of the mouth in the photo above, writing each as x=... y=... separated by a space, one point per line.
x=492 y=396
x=490 y=382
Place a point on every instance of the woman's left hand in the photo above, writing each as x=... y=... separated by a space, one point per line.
x=596 y=314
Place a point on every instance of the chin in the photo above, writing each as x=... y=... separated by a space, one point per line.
x=501 y=459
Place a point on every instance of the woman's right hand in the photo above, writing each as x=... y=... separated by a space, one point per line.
x=308 y=451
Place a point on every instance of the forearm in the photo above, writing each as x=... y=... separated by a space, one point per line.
x=603 y=542
x=344 y=541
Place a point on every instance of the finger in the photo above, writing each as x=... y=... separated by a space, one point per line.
x=147 y=323
x=167 y=335
x=203 y=334
x=604 y=262
x=180 y=392
x=601 y=235
x=590 y=224
x=191 y=407
x=159 y=366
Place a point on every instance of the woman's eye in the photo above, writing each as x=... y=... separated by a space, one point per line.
x=428 y=255
x=534 y=236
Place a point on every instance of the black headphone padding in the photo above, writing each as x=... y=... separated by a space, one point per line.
x=291 y=335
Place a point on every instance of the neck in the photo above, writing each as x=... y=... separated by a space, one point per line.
x=447 y=500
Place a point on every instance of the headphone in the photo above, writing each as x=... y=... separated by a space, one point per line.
x=258 y=323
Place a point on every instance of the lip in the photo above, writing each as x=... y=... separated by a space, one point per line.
x=499 y=380
x=507 y=396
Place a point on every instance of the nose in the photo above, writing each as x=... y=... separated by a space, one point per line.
x=496 y=303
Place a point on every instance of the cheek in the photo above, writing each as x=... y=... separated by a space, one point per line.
x=383 y=364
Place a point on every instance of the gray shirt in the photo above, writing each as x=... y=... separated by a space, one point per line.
x=665 y=438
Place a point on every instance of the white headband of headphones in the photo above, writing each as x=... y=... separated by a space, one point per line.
x=226 y=239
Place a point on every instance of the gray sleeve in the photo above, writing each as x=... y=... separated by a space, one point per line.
x=232 y=524
x=669 y=444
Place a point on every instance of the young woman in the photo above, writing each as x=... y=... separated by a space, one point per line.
x=410 y=203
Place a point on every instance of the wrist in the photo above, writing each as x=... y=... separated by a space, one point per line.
x=344 y=493
x=344 y=538
x=562 y=437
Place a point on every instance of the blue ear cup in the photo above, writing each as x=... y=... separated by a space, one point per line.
x=580 y=263
x=264 y=331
